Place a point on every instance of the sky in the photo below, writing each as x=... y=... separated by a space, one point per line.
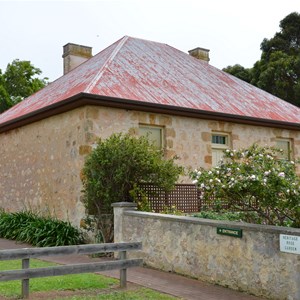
x=232 y=30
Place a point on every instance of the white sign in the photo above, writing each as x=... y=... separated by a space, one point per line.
x=290 y=243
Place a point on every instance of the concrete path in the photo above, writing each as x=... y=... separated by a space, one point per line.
x=169 y=283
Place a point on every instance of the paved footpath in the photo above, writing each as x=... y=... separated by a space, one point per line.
x=169 y=283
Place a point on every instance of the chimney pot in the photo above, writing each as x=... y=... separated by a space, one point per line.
x=200 y=53
x=74 y=55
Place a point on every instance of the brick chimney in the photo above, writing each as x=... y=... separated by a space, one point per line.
x=200 y=53
x=74 y=55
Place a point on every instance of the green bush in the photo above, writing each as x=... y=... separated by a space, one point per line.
x=115 y=168
x=118 y=164
x=29 y=227
x=254 y=180
x=221 y=215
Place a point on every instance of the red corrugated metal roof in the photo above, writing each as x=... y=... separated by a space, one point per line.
x=151 y=72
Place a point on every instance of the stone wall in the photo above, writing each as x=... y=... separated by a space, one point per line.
x=40 y=165
x=188 y=138
x=191 y=246
x=41 y=162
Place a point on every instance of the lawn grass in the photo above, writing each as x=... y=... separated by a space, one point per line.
x=79 y=282
x=56 y=283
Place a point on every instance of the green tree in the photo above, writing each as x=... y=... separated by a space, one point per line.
x=18 y=82
x=5 y=102
x=287 y=40
x=115 y=168
x=239 y=72
x=278 y=70
x=279 y=76
x=254 y=180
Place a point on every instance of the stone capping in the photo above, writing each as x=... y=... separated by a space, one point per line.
x=215 y=223
x=124 y=204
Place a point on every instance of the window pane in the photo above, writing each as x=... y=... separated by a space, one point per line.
x=219 y=139
x=219 y=143
x=285 y=146
x=154 y=135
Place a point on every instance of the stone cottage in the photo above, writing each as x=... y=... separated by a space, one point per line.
x=189 y=107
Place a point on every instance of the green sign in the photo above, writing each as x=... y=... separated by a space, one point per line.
x=230 y=231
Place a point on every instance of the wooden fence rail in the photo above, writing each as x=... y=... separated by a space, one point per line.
x=26 y=253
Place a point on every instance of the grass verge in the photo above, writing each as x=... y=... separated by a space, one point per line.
x=80 y=286
x=57 y=283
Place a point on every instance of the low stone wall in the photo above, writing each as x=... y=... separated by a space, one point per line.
x=192 y=246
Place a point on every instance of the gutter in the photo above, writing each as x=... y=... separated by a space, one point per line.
x=83 y=99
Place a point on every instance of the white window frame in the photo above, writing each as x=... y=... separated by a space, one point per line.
x=218 y=148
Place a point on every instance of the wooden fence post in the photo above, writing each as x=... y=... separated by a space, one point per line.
x=123 y=272
x=26 y=253
x=25 y=282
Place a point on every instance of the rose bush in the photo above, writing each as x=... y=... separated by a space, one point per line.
x=254 y=180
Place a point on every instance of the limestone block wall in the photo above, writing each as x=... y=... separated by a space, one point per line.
x=40 y=166
x=188 y=138
x=192 y=247
x=40 y=163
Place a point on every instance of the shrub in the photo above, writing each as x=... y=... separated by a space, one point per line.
x=221 y=215
x=117 y=165
x=29 y=227
x=254 y=180
x=172 y=210
x=238 y=216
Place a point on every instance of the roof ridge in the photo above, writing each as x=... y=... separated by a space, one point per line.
x=106 y=63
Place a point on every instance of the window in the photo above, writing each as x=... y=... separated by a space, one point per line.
x=153 y=133
x=219 y=143
x=219 y=139
x=285 y=146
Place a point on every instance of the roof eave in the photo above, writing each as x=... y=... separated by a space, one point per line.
x=90 y=99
